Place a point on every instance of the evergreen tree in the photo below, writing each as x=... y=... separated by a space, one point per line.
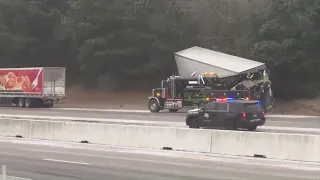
x=287 y=40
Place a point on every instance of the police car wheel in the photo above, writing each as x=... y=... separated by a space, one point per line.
x=231 y=125
x=193 y=123
x=252 y=128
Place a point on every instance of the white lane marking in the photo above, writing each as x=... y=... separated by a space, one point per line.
x=15 y=178
x=189 y=164
x=146 y=111
x=70 y=162
x=103 y=110
x=290 y=116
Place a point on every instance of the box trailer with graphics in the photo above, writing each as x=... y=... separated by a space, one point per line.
x=32 y=87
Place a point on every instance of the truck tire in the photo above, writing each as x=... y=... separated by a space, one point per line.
x=28 y=103
x=50 y=105
x=21 y=102
x=153 y=106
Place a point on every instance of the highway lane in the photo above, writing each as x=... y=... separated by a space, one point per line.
x=301 y=122
x=63 y=161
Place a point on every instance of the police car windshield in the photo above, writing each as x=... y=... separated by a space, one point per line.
x=252 y=107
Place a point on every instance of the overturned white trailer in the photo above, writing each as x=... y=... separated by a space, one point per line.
x=196 y=60
x=233 y=81
x=199 y=60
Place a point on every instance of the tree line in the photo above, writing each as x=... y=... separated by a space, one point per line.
x=129 y=44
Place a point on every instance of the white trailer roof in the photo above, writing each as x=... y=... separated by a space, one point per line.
x=204 y=60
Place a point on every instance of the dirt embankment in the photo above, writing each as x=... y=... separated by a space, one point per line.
x=76 y=97
x=301 y=107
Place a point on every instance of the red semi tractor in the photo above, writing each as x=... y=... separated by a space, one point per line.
x=32 y=87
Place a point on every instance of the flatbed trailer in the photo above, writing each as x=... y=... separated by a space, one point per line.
x=33 y=86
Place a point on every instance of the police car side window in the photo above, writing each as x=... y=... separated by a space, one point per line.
x=233 y=107
x=221 y=107
x=210 y=106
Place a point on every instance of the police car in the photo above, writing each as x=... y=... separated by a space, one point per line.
x=228 y=114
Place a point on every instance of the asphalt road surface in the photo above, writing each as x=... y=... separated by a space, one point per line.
x=300 y=122
x=53 y=161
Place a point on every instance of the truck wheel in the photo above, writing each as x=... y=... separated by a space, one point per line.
x=28 y=103
x=154 y=106
x=21 y=102
x=173 y=110
x=193 y=123
x=49 y=105
x=252 y=128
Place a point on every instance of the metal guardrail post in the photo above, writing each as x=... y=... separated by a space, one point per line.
x=3 y=172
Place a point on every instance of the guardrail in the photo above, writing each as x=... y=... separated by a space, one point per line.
x=4 y=176
x=295 y=147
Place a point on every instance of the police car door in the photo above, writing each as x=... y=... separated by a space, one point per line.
x=221 y=110
x=210 y=116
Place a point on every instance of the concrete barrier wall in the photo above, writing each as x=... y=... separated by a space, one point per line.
x=239 y=143
x=114 y=135
x=300 y=147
